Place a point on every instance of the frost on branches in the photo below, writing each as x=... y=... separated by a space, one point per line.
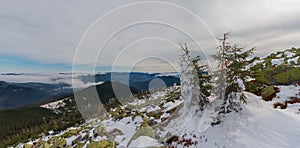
x=190 y=114
x=190 y=89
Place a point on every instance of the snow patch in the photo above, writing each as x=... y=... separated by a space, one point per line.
x=171 y=105
x=289 y=54
x=277 y=61
x=295 y=60
x=55 y=105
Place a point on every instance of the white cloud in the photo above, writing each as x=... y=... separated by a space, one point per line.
x=49 y=31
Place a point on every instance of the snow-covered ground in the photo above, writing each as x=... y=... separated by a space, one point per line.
x=286 y=93
x=55 y=105
x=257 y=125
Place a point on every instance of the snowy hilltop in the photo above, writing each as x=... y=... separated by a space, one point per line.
x=142 y=123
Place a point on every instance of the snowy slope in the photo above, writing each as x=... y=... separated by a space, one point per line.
x=257 y=125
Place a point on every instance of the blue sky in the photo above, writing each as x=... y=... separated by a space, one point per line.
x=40 y=36
x=20 y=64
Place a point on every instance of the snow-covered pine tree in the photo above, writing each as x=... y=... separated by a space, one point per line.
x=233 y=69
x=203 y=76
x=194 y=103
x=190 y=89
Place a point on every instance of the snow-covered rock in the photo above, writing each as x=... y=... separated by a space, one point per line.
x=145 y=141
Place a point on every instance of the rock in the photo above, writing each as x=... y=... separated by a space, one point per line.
x=101 y=130
x=119 y=113
x=111 y=136
x=79 y=145
x=51 y=140
x=163 y=119
x=94 y=122
x=155 y=114
x=143 y=130
x=101 y=144
x=46 y=145
x=86 y=137
x=70 y=133
x=28 y=145
x=152 y=123
x=77 y=140
x=41 y=144
x=269 y=93
x=60 y=143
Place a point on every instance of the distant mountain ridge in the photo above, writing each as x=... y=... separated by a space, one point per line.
x=138 y=80
x=13 y=95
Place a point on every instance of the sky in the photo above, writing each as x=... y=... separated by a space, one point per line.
x=129 y=35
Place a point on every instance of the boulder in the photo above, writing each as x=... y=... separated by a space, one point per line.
x=143 y=130
x=269 y=93
x=28 y=145
x=100 y=130
x=101 y=144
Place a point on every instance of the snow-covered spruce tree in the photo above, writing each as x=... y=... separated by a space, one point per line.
x=203 y=76
x=232 y=64
x=194 y=85
x=191 y=112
